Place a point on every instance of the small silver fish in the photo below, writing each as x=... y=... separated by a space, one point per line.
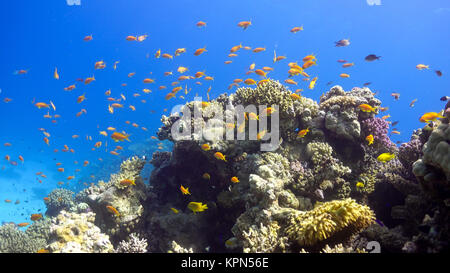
x=343 y=42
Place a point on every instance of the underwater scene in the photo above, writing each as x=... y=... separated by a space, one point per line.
x=180 y=126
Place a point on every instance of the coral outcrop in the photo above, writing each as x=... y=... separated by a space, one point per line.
x=77 y=233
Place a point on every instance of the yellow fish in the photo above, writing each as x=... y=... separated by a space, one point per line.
x=369 y=139
x=197 y=206
x=385 y=157
x=359 y=184
x=312 y=83
x=174 y=210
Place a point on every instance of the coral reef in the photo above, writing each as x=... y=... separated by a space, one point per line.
x=324 y=191
x=59 y=199
x=327 y=220
x=13 y=240
x=125 y=198
x=76 y=233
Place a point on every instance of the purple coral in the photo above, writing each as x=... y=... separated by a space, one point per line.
x=409 y=152
x=378 y=128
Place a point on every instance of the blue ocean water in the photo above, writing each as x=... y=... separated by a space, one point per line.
x=39 y=36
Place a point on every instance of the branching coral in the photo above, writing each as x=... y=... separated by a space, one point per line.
x=13 y=240
x=134 y=244
x=328 y=220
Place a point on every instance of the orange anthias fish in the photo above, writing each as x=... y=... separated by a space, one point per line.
x=422 y=66
x=41 y=105
x=302 y=133
x=184 y=191
x=201 y=24
x=113 y=210
x=119 y=136
x=36 y=216
x=89 y=80
x=131 y=38
x=244 y=24
x=367 y=108
x=234 y=179
x=127 y=182
x=81 y=98
x=296 y=29
x=220 y=156
x=141 y=38
x=200 y=51
x=88 y=38
x=430 y=116
x=70 y=87
x=55 y=74
x=290 y=81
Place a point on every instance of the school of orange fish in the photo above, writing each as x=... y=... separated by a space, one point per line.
x=294 y=71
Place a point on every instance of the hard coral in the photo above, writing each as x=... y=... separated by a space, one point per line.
x=328 y=220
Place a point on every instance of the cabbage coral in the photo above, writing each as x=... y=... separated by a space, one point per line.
x=327 y=220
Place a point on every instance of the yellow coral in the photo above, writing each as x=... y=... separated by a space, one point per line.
x=328 y=219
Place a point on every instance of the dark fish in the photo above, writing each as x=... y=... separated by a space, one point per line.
x=438 y=72
x=398 y=142
x=328 y=83
x=343 y=42
x=395 y=123
x=367 y=83
x=445 y=98
x=372 y=57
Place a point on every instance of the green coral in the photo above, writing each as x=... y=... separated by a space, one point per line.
x=13 y=240
x=328 y=220
x=40 y=230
